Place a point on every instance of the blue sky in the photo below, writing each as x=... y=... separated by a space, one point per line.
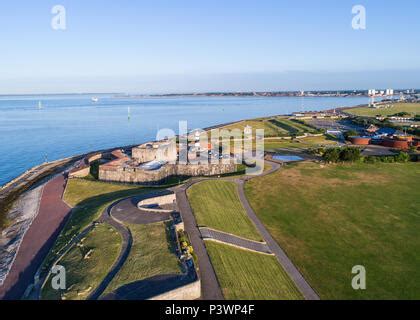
x=186 y=46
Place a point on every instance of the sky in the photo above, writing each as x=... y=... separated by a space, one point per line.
x=159 y=46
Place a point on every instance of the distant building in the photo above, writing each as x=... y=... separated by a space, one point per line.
x=386 y=131
x=360 y=140
x=400 y=119
x=372 y=129
x=395 y=140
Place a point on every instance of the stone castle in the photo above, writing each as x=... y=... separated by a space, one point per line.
x=156 y=162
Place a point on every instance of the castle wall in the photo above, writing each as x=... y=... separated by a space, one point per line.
x=135 y=175
x=138 y=175
x=143 y=155
x=161 y=152
x=205 y=169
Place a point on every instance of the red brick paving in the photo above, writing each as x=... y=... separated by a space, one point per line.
x=38 y=240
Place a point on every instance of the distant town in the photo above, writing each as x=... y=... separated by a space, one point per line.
x=406 y=94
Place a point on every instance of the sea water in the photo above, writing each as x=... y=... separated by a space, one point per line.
x=34 y=129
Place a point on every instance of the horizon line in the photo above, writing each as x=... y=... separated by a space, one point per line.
x=199 y=92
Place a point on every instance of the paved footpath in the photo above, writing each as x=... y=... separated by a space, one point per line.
x=210 y=289
x=284 y=260
x=211 y=234
x=127 y=242
x=125 y=210
x=38 y=240
x=210 y=285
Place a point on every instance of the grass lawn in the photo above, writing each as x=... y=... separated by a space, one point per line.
x=270 y=130
x=79 y=190
x=303 y=143
x=273 y=127
x=151 y=254
x=292 y=127
x=412 y=108
x=89 y=198
x=88 y=264
x=216 y=205
x=247 y=275
x=329 y=219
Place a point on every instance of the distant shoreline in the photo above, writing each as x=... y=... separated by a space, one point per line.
x=76 y=157
x=21 y=183
x=271 y=93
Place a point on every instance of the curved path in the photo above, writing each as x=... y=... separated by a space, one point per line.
x=307 y=291
x=231 y=239
x=281 y=256
x=127 y=242
x=123 y=210
x=210 y=288
x=153 y=286
x=42 y=277
x=126 y=211
x=300 y=282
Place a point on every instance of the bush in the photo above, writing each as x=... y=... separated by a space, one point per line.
x=317 y=151
x=331 y=155
x=401 y=114
x=371 y=159
x=347 y=154
x=400 y=157
x=350 y=154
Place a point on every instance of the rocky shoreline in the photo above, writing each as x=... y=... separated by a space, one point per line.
x=23 y=212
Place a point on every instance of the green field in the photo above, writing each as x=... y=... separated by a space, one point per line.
x=270 y=130
x=89 y=199
x=329 y=219
x=87 y=264
x=79 y=190
x=151 y=254
x=290 y=126
x=216 y=205
x=273 y=127
x=302 y=143
x=247 y=275
x=412 y=108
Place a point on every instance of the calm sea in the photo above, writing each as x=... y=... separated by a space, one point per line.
x=73 y=124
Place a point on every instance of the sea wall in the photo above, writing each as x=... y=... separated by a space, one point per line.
x=80 y=172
